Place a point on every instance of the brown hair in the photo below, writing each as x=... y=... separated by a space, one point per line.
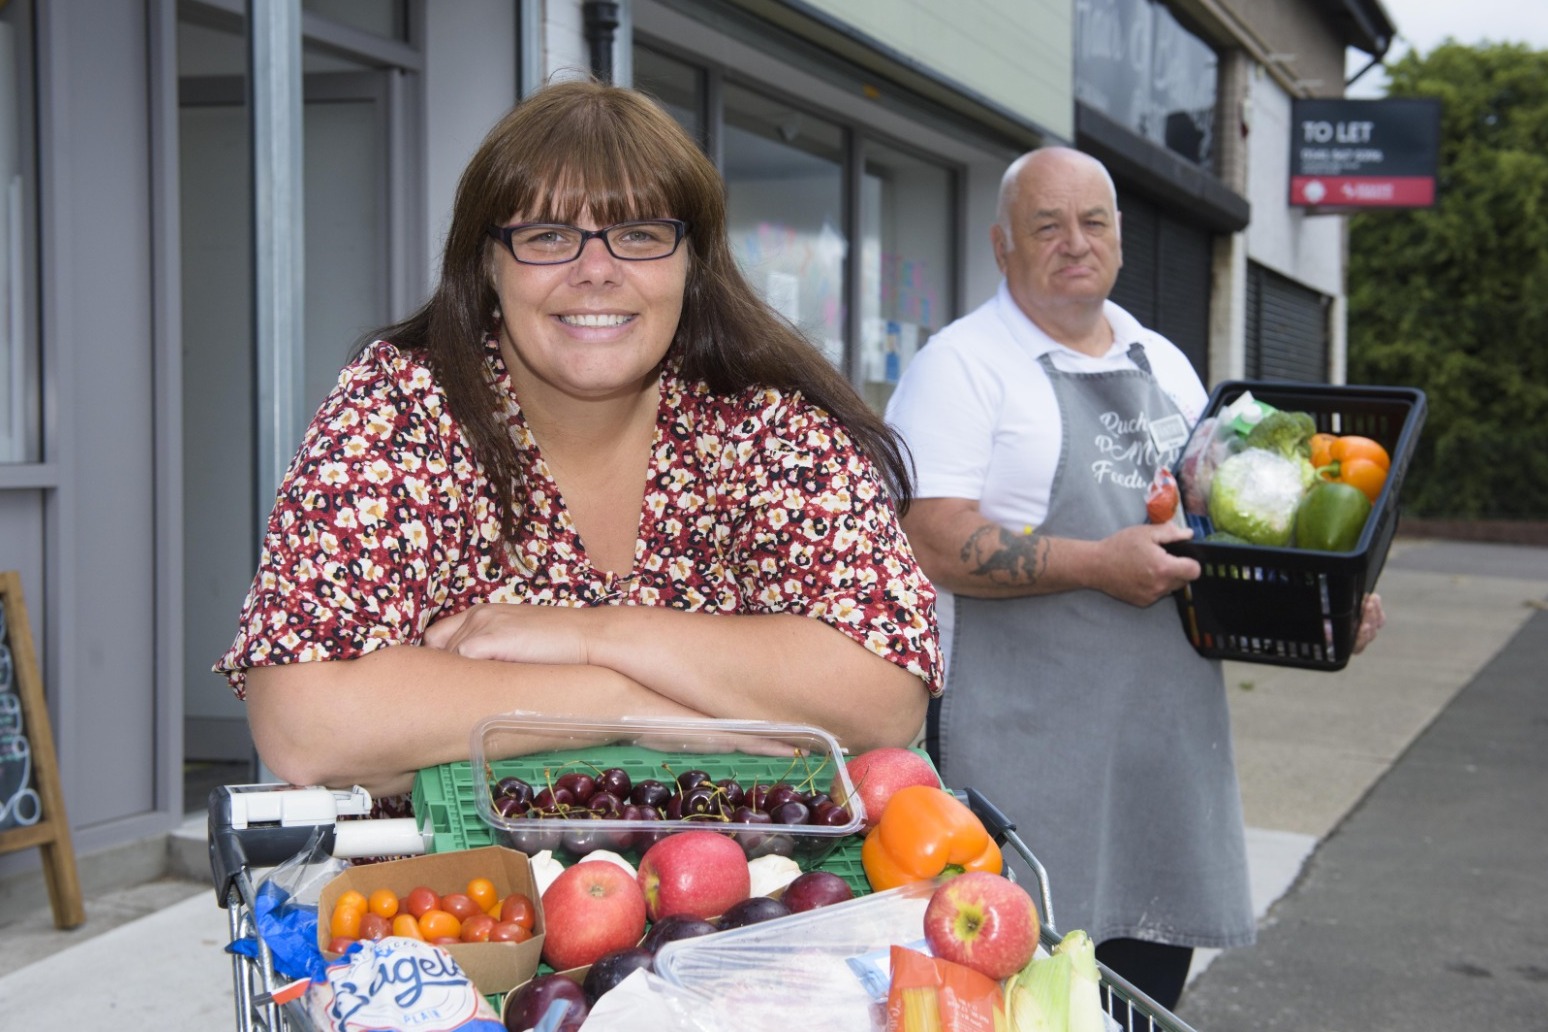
x=581 y=144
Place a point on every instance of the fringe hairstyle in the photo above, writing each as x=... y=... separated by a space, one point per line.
x=582 y=144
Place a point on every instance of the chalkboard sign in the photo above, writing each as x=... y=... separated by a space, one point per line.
x=32 y=810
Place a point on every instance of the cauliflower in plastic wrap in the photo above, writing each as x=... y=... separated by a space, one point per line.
x=1254 y=495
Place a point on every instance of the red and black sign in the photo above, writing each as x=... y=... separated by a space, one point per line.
x=1364 y=153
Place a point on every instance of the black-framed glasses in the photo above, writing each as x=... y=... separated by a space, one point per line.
x=552 y=243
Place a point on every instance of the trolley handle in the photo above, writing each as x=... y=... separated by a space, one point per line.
x=264 y=825
x=1003 y=830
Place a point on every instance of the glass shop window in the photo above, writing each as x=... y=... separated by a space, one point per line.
x=784 y=172
x=906 y=261
x=20 y=375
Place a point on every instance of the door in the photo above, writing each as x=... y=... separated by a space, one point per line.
x=345 y=153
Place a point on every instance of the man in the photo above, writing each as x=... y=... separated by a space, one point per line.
x=1074 y=700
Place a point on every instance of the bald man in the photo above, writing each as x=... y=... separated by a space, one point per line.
x=1073 y=698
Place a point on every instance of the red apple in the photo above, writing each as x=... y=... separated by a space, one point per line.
x=878 y=773
x=983 y=921
x=591 y=909
x=699 y=873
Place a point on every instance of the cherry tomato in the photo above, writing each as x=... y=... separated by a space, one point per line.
x=477 y=928
x=482 y=891
x=374 y=926
x=407 y=925
x=339 y=943
x=420 y=900
x=438 y=924
x=509 y=931
x=346 y=921
x=350 y=898
x=459 y=906
x=517 y=908
x=383 y=903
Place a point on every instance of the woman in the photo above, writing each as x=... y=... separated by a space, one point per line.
x=594 y=475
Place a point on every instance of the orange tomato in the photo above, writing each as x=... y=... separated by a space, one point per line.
x=406 y=925
x=351 y=898
x=438 y=924
x=346 y=921
x=383 y=903
x=482 y=891
x=421 y=899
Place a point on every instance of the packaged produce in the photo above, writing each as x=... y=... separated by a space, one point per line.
x=929 y=994
x=1213 y=441
x=1254 y=496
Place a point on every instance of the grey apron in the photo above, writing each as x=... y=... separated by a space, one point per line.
x=1092 y=723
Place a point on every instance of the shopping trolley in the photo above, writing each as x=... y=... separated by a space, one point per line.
x=257 y=826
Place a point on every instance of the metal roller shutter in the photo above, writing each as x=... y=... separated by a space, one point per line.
x=1287 y=329
x=1165 y=282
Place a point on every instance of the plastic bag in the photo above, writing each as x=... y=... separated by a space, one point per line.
x=285 y=911
x=1213 y=441
x=398 y=983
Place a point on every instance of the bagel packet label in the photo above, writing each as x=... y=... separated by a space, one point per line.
x=397 y=982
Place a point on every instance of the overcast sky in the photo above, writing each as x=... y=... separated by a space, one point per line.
x=1424 y=24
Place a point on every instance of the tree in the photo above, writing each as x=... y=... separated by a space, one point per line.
x=1454 y=299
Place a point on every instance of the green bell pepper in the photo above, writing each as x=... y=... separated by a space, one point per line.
x=1331 y=517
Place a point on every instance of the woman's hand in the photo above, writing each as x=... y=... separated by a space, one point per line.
x=1372 y=619
x=515 y=633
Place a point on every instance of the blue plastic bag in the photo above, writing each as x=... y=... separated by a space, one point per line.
x=285 y=913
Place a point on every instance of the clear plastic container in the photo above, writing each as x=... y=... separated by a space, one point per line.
x=749 y=752
x=827 y=968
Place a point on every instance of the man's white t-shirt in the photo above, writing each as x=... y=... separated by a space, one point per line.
x=981 y=420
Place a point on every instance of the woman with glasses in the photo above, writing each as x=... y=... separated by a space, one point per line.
x=594 y=475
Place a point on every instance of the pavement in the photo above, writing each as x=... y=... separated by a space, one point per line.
x=1395 y=833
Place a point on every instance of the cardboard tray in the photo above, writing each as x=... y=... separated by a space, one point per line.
x=1290 y=606
x=494 y=967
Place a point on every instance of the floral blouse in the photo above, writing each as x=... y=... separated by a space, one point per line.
x=757 y=503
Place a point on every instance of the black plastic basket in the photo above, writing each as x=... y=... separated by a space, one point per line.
x=1291 y=606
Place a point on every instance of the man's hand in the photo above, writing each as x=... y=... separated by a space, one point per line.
x=1372 y=619
x=1133 y=567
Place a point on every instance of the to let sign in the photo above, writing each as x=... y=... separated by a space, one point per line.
x=1364 y=153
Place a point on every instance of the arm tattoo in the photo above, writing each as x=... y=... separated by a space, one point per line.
x=1006 y=558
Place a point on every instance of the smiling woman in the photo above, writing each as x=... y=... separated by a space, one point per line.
x=595 y=475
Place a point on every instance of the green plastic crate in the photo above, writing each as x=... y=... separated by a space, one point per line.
x=445 y=795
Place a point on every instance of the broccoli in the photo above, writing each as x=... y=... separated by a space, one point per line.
x=1288 y=433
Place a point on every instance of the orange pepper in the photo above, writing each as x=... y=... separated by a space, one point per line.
x=923 y=833
x=1321 y=449
x=1354 y=460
